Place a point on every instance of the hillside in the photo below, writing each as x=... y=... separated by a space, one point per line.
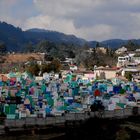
x=15 y=58
x=114 y=43
x=52 y=36
x=12 y=37
x=17 y=40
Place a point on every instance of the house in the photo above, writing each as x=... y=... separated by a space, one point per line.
x=121 y=50
x=106 y=72
x=137 y=50
x=136 y=78
x=136 y=58
x=39 y=62
x=102 y=49
x=69 y=60
x=124 y=60
x=132 y=68
x=73 y=67
x=89 y=75
x=90 y=50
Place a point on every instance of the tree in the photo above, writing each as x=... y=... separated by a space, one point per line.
x=97 y=45
x=131 y=45
x=102 y=75
x=45 y=46
x=2 y=59
x=3 y=48
x=86 y=47
x=48 y=57
x=97 y=77
x=29 y=48
x=55 y=65
x=33 y=69
x=31 y=59
x=44 y=68
x=128 y=75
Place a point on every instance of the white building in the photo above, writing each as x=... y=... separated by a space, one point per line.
x=69 y=60
x=134 y=70
x=102 y=49
x=121 y=50
x=136 y=59
x=131 y=67
x=124 y=60
x=73 y=67
x=105 y=72
x=137 y=50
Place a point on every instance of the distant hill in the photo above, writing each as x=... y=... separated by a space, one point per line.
x=53 y=36
x=12 y=37
x=92 y=43
x=15 y=39
x=114 y=43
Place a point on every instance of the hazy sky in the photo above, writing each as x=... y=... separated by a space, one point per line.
x=89 y=19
